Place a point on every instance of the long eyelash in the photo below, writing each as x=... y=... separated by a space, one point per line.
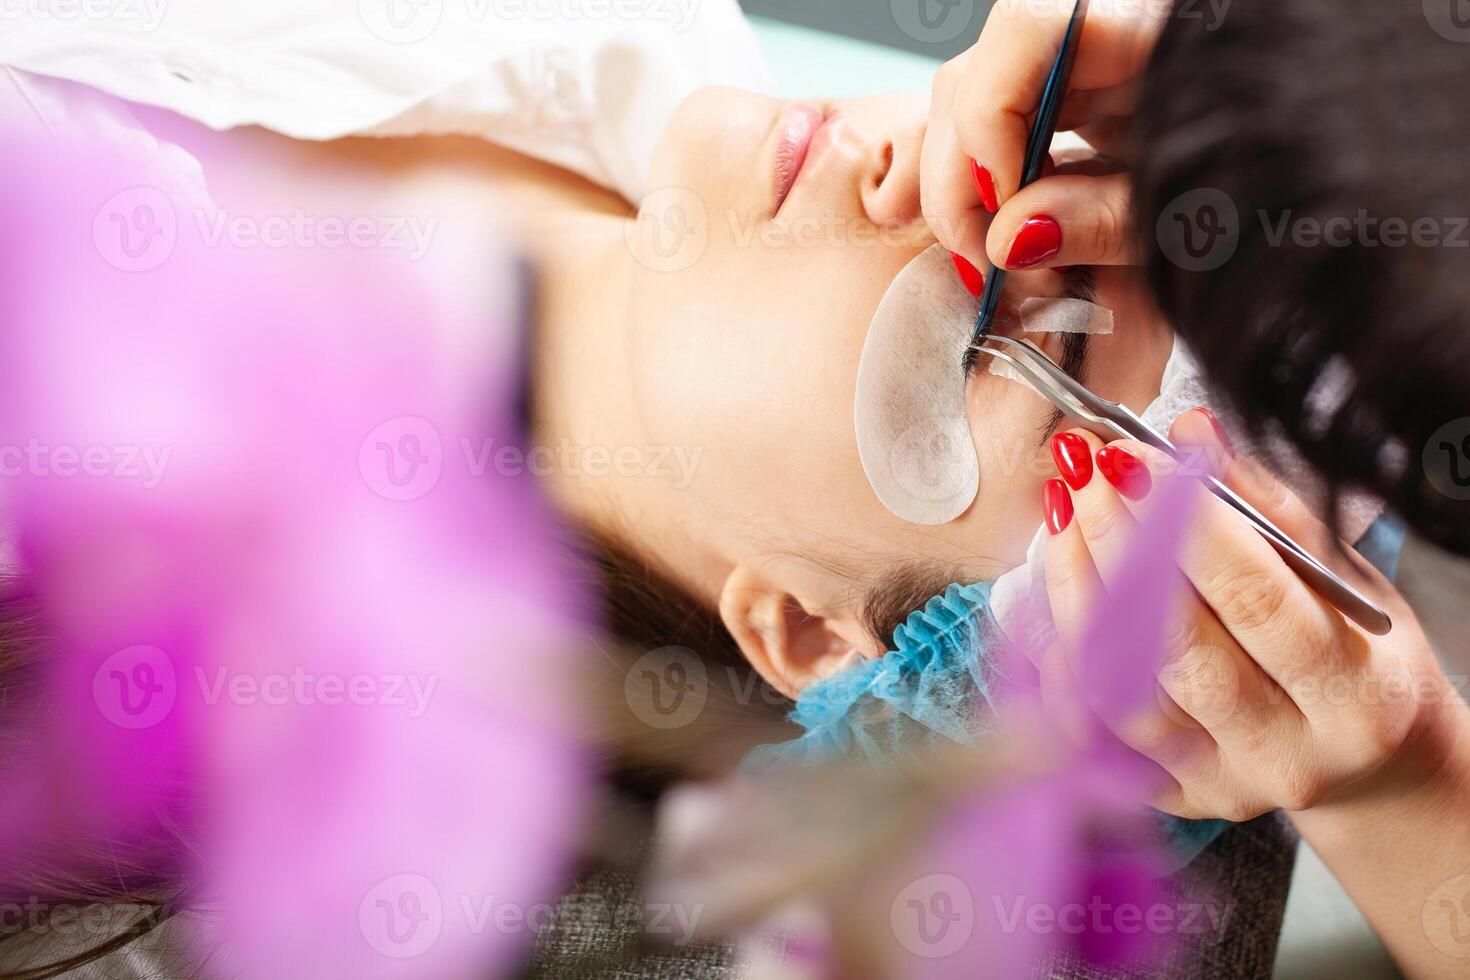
x=1074 y=362
x=1078 y=282
x=970 y=363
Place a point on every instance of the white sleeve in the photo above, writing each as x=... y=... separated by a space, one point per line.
x=585 y=84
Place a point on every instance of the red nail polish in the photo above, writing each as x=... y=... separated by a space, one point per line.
x=1125 y=471
x=969 y=275
x=1057 y=503
x=984 y=186
x=1220 y=432
x=1073 y=458
x=1038 y=240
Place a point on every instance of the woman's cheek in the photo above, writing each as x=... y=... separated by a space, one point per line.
x=1008 y=422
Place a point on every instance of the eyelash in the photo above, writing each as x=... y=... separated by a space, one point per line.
x=971 y=364
x=1081 y=284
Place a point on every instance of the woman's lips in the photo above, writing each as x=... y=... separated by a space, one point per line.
x=797 y=124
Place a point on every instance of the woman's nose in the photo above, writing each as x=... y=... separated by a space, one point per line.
x=890 y=181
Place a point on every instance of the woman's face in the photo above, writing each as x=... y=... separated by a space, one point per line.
x=772 y=233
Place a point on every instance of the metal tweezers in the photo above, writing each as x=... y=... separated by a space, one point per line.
x=1111 y=420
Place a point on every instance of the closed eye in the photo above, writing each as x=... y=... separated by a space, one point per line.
x=1080 y=282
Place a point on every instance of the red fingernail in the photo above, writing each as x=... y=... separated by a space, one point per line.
x=984 y=186
x=1073 y=458
x=969 y=275
x=1124 y=470
x=1038 y=240
x=1057 y=503
x=1220 y=432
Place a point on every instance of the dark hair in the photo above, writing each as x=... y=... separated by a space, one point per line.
x=641 y=611
x=140 y=873
x=644 y=611
x=1255 y=135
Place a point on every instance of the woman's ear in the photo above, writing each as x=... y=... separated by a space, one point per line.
x=790 y=634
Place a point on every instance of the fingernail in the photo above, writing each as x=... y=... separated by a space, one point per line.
x=1125 y=472
x=969 y=275
x=1220 y=432
x=984 y=186
x=1057 y=503
x=1038 y=240
x=1073 y=458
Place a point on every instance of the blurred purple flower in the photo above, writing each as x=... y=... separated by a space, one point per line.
x=289 y=619
x=1060 y=862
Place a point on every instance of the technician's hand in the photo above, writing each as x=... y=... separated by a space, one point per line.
x=1269 y=698
x=980 y=114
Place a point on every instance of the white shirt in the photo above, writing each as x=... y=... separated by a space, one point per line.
x=584 y=84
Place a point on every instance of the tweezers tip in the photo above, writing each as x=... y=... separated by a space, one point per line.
x=977 y=337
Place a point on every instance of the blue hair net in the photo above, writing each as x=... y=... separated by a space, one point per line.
x=934 y=685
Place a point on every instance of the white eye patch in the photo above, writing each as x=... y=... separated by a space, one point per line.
x=1062 y=315
x=1055 y=315
x=913 y=432
x=1003 y=369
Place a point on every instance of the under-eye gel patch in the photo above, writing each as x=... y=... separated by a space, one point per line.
x=913 y=432
x=1004 y=369
x=1062 y=315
